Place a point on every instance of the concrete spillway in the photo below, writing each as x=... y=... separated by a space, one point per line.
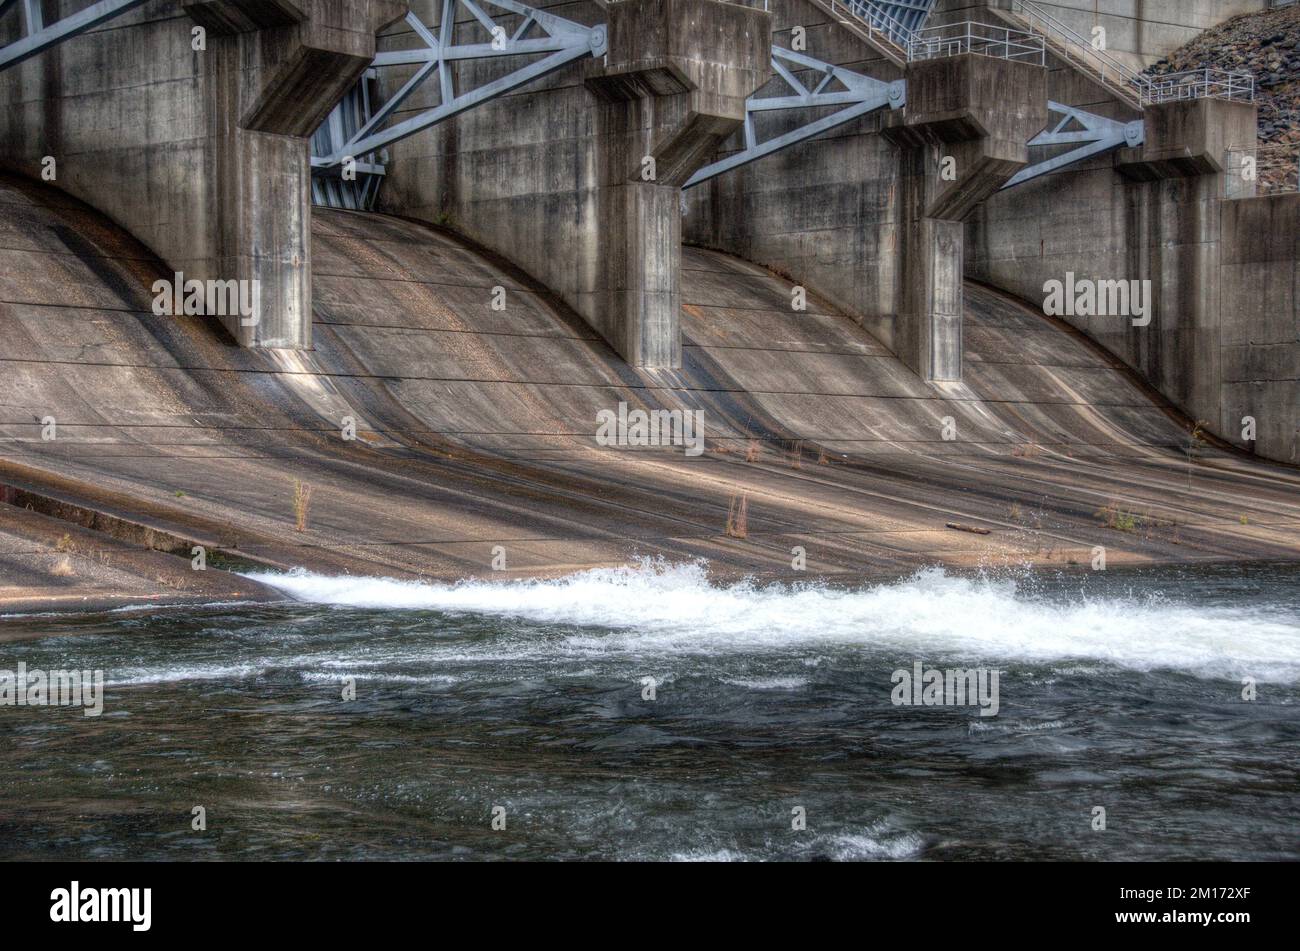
x=475 y=429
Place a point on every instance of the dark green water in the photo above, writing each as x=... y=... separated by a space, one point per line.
x=1118 y=690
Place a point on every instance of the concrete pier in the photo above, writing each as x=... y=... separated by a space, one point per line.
x=197 y=142
x=674 y=86
x=961 y=138
x=578 y=179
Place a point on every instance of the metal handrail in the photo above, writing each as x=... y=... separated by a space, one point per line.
x=877 y=21
x=1109 y=68
x=1200 y=84
x=981 y=39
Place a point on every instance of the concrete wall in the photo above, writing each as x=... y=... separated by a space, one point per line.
x=823 y=212
x=841 y=214
x=1259 y=280
x=864 y=219
x=1158 y=214
x=550 y=176
x=201 y=154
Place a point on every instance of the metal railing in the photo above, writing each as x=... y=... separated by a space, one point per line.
x=1199 y=84
x=1261 y=170
x=981 y=39
x=1146 y=89
x=876 y=21
x=1078 y=49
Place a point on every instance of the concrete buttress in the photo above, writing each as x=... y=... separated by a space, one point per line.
x=963 y=135
x=577 y=178
x=273 y=73
x=674 y=87
x=188 y=124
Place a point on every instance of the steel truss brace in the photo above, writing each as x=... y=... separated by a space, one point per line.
x=1093 y=134
x=331 y=186
x=38 y=36
x=563 y=41
x=858 y=94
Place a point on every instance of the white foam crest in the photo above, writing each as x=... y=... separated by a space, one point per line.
x=874 y=845
x=656 y=608
x=136 y=677
x=432 y=680
x=768 y=683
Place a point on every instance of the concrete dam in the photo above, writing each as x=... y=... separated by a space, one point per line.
x=647 y=431
x=491 y=243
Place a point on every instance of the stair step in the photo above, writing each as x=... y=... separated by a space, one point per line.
x=841 y=14
x=1064 y=51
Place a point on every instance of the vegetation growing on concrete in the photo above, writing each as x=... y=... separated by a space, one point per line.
x=301 y=504
x=738 y=517
x=1115 y=516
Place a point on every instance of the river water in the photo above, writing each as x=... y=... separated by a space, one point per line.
x=650 y=714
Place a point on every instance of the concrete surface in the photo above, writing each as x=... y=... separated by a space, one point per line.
x=476 y=427
x=201 y=154
x=552 y=175
x=1159 y=214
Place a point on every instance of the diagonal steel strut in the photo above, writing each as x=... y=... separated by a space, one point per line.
x=860 y=95
x=562 y=40
x=1096 y=136
x=38 y=36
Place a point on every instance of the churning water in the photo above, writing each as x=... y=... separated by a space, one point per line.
x=1120 y=690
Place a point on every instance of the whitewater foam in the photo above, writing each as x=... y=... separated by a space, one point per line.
x=871 y=845
x=657 y=608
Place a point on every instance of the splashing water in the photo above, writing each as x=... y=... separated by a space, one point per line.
x=375 y=718
x=656 y=608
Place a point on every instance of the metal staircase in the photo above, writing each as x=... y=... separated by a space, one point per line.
x=1127 y=84
x=889 y=26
